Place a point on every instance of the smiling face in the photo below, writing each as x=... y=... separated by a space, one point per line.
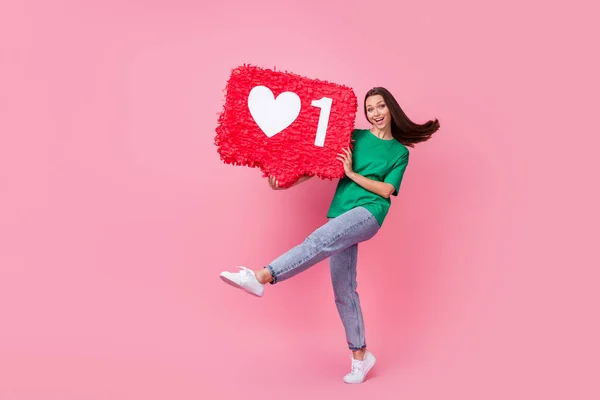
x=377 y=112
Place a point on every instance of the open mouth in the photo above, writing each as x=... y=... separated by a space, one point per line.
x=378 y=120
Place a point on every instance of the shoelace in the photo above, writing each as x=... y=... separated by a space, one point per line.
x=243 y=274
x=356 y=366
x=246 y=274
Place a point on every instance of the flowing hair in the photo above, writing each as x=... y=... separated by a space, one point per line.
x=403 y=129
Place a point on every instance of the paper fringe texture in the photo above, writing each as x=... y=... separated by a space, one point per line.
x=291 y=153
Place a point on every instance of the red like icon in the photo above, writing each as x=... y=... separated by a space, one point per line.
x=285 y=124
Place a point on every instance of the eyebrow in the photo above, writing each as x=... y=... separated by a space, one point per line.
x=379 y=102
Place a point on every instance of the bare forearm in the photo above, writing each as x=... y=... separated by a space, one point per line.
x=383 y=189
x=303 y=178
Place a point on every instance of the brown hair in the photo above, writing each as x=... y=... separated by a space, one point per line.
x=403 y=129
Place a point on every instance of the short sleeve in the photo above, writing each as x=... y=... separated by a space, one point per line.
x=394 y=177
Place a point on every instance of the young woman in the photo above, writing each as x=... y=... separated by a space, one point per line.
x=374 y=171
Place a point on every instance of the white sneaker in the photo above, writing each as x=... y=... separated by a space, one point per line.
x=360 y=368
x=245 y=280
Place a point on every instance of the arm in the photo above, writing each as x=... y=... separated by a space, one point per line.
x=383 y=189
x=275 y=185
x=303 y=178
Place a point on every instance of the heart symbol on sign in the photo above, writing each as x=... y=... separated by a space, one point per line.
x=270 y=114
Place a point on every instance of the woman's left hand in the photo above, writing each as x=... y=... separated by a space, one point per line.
x=346 y=159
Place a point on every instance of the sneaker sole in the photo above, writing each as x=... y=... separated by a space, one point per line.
x=232 y=283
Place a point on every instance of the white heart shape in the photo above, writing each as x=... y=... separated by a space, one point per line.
x=273 y=115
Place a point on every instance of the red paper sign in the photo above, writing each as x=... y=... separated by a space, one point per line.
x=285 y=124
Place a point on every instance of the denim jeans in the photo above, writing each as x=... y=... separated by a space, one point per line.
x=338 y=239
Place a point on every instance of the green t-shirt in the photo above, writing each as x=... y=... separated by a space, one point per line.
x=373 y=158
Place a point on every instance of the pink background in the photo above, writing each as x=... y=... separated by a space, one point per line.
x=117 y=215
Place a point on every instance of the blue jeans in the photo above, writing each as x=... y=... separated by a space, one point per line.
x=338 y=239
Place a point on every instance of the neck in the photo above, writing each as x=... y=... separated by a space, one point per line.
x=382 y=133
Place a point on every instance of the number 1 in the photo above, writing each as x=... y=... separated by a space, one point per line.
x=325 y=105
